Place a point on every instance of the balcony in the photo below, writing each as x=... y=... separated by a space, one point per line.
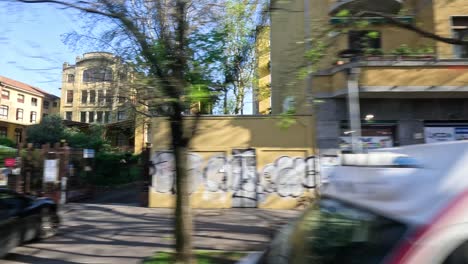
x=356 y=6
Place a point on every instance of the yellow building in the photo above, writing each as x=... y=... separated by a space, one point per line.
x=22 y=105
x=95 y=90
x=411 y=89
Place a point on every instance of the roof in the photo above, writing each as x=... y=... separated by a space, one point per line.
x=23 y=86
x=413 y=194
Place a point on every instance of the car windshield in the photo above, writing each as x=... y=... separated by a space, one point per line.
x=332 y=232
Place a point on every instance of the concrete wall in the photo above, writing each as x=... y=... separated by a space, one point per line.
x=242 y=156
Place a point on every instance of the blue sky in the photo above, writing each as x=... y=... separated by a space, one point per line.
x=30 y=43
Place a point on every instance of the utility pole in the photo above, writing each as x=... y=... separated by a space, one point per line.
x=354 y=109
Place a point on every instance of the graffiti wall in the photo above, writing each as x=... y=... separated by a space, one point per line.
x=236 y=179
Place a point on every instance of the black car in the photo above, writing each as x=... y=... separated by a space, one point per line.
x=25 y=218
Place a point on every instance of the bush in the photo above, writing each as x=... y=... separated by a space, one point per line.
x=115 y=168
x=7 y=142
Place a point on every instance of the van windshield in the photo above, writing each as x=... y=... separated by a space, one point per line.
x=333 y=232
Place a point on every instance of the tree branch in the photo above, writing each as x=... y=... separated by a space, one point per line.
x=393 y=20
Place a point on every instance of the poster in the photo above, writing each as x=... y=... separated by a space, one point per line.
x=51 y=170
x=4 y=176
x=442 y=134
x=367 y=142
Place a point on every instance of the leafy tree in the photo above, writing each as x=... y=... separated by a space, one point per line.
x=49 y=130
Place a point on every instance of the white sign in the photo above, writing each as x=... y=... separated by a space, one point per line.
x=51 y=170
x=368 y=142
x=439 y=134
x=88 y=153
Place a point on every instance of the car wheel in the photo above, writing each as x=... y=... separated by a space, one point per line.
x=49 y=225
x=9 y=243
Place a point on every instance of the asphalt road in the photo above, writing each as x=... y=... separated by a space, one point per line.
x=109 y=232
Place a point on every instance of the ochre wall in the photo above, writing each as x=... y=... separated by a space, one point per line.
x=288 y=150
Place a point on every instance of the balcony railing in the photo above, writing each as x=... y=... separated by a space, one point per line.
x=356 y=6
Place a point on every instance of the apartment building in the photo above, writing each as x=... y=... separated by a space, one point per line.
x=93 y=89
x=409 y=89
x=22 y=105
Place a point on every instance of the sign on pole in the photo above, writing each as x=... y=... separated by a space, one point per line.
x=51 y=170
x=88 y=153
x=10 y=162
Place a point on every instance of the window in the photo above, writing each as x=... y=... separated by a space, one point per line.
x=84 y=97
x=6 y=94
x=71 y=78
x=3 y=111
x=460 y=31
x=44 y=115
x=46 y=104
x=91 y=117
x=92 y=97
x=106 y=117
x=68 y=115
x=19 y=114
x=20 y=98
x=121 y=99
x=19 y=135
x=121 y=140
x=34 y=101
x=120 y=115
x=33 y=117
x=109 y=95
x=69 y=97
x=97 y=75
x=100 y=96
x=3 y=132
x=83 y=117
x=361 y=40
x=54 y=104
x=99 y=116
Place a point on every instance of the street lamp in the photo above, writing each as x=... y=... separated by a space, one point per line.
x=369 y=117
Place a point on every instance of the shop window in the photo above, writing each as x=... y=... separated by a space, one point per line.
x=3 y=111
x=6 y=94
x=34 y=101
x=19 y=114
x=20 y=98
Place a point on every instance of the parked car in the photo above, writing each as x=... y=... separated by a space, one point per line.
x=24 y=218
x=406 y=205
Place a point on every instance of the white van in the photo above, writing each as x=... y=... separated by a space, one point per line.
x=393 y=206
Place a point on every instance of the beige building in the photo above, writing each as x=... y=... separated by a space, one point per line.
x=22 y=105
x=93 y=89
x=411 y=89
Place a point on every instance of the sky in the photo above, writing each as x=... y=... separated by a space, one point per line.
x=31 y=49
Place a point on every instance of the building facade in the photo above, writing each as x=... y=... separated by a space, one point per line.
x=22 y=105
x=95 y=91
x=411 y=89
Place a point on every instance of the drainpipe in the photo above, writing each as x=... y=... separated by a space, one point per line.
x=354 y=109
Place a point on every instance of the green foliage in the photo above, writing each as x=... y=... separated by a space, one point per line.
x=115 y=168
x=287 y=119
x=50 y=130
x=343 y=13
x=373 y=35
x=7 y=142
x=405 y=50
x=93 y=138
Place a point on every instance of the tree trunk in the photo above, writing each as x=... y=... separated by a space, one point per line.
x=183 y=215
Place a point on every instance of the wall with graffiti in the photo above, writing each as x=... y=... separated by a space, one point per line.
x=234 y=179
